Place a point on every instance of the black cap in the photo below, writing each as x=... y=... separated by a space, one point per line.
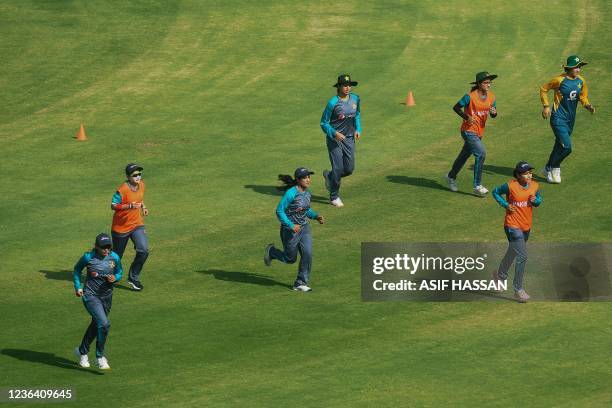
x=302 y=172
x=103 y=240
x=522 y=167
x=345 y=79
x=132 y=167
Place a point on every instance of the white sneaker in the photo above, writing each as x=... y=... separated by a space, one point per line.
x=549 y=175
x=103 y=363
x=556 y=175
x=480 y=190
x=302 y=288
x=452 y=183
x=521 y=296
x=83 y=359
x=337 y=202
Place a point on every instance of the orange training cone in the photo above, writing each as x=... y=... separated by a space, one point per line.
x=81 y=136
x=410 y=99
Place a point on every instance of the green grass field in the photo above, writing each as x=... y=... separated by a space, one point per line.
x=215 y=99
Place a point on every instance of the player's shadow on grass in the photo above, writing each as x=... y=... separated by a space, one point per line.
x=63 y=274
x=422 y=182
x=272 y=190
x=244 y=277
x=493 y=169
x=503 y=170
x=45 y=358
x=66 y=275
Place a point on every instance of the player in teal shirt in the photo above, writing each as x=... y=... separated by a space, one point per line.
x=569 y=87
x=103 y=271
x=341 y=123
x=293 y=212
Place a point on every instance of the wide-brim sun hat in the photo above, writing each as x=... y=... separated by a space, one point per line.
x=345 y=79
x=574 y=61
x=483 y=76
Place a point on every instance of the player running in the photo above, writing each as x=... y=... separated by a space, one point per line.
x=341 y=123
x=477 y=106
x=569 y=88
x=293 y=212
x=521 y=196
x=103 y=271
x=129 y=207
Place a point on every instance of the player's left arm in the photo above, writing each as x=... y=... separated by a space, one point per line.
x=312 y=214
x=493 y=109
x=584 y=97
x=358 y=118
x=537 y=199
x=118 y=273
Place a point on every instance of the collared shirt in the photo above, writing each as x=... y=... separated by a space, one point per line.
x=567 y=94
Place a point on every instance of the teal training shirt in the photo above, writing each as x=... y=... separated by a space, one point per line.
x=565 y=114
x=294 y=208
x=98 y=268
x=342 y=116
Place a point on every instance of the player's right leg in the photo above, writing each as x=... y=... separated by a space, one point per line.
x=458 y=164
x=290 y=241
x=305 y=249
x=120 y=242
x=335 y=175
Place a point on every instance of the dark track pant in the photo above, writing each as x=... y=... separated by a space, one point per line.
x=342 y=158
x=562 y=147
x=472 y=145
x=98 y=307
x=294 y=242
x=517 y=250
x=139 y=238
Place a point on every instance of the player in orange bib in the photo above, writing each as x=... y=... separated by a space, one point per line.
x=474 y=108
x=128 y=223
x=522 y=195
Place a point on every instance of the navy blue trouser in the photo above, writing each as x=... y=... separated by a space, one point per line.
x=342 y=158
x=517 y=250
x=562 y=147
x=139 y=238
x=294 y=242
x=472 y=145
x=98 y=307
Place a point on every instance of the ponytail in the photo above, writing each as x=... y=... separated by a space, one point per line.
x=288 y=182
